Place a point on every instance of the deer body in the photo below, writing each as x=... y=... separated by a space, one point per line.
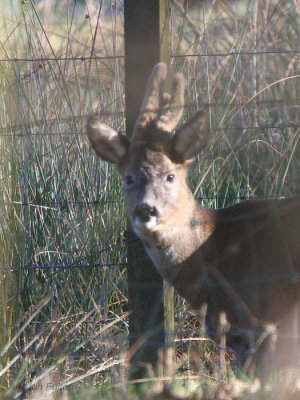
x=191 y=249
x=244 y=259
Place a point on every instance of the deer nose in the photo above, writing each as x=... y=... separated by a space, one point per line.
x=144 y=212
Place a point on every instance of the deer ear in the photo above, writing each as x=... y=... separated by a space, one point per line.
x=192 y=136
x=108 y=143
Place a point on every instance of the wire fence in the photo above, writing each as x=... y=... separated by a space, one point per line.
x=27 y=131
x=103 y=114
x=291 y=276
x=60 y=267
x=85 y=58
x=64 y=203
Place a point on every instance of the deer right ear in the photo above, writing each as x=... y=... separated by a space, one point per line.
x=192 y=136
x=108 y=143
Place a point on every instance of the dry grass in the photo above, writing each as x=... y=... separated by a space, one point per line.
x=67 y=327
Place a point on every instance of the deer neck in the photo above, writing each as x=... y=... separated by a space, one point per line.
x=173 y=248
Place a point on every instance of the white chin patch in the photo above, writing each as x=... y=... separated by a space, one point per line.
x=148 y=225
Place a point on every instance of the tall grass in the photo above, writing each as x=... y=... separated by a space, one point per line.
x=60 y=206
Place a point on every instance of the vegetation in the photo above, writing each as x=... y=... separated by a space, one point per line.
x=65 y=328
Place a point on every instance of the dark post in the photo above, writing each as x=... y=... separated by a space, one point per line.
x=152 y=312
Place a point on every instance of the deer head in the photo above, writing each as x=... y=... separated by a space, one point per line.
x=153 y=162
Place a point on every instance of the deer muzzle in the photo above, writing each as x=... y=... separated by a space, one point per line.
x=145 y=217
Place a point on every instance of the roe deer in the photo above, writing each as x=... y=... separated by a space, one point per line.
x=244 y=259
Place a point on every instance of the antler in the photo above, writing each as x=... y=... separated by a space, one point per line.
x=154 y=99
x=169 y=121
x=150 y=105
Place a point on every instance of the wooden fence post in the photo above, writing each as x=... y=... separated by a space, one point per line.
x=151 y=321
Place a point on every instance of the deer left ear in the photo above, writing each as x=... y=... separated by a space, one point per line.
x=192 y=136
x=108 y=143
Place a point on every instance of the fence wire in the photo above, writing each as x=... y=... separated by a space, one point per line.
x=101 y=58
x=218 y=129
x=103 y=202
x=61 y=267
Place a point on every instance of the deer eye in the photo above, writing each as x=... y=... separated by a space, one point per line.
x=128 y=180
x=170 y=178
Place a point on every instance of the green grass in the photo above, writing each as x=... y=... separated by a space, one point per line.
x=69 y=326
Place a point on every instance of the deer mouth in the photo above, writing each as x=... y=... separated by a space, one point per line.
x=145 y=225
